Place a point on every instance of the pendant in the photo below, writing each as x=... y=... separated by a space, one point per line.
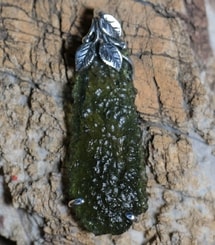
x=105 y=169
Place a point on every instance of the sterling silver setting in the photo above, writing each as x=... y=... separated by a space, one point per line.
x=130 y=216
x=102 y=40
x=76 y=202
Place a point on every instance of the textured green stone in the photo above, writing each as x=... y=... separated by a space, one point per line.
x=106 y=161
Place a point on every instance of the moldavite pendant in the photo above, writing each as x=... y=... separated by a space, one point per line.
x=106 y=166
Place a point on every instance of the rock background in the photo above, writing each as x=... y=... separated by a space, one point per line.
x=172 y=47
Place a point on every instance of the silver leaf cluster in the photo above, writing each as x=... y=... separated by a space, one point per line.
x=103 y=40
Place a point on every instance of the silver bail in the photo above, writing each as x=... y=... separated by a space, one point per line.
x=103 y=41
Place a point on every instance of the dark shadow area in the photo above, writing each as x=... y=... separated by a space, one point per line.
x=5 y=241
x=6 y=191
x=69 y=49
x=7 y=200
x=72 y=42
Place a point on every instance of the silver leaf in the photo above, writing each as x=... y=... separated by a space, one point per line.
x=113 y=22
x=110 y=55
x=110 y=26
x=84 y=55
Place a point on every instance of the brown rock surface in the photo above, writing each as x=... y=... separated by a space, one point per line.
x=174 y=77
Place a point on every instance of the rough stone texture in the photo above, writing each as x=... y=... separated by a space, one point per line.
x=174 y=77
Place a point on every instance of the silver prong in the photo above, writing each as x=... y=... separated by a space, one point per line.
x=129 y=61
x=130 y=216
x=75 y=202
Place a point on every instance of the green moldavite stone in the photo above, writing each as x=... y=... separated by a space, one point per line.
x=106 y=163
